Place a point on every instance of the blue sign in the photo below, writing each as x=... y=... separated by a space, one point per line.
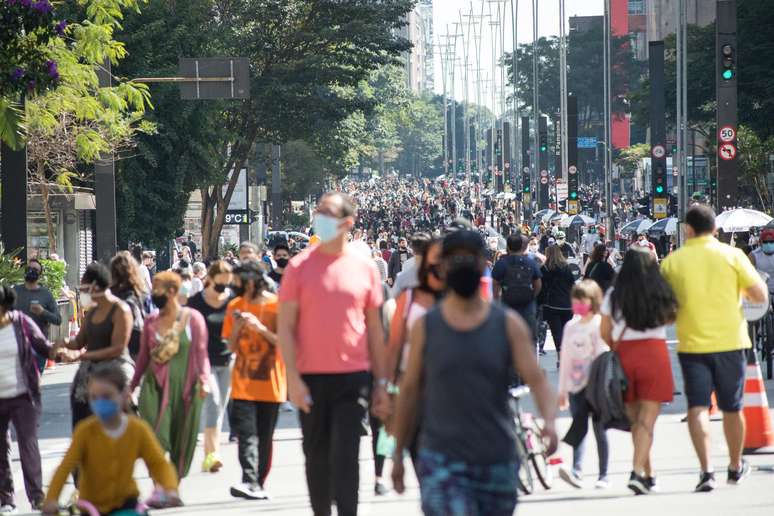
x=587 y=142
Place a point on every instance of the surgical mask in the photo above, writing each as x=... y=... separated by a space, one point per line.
x=282 y=262
x=532 y=249
x=185 y=288
x=326 y=227
x=581 y=308
x=86 y=301
x=159 y=300
x=464 y=278
x=32 y=275
x=104 y=409
x=768 y=247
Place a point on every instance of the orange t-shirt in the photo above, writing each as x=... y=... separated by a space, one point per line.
x=259 y=372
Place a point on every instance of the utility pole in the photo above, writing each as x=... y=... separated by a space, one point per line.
x=563 y=91
x=493 y=31
x=442 y=49
x=658 y=170
x=515 y=68
x=608 y=129
x=682 y=114
x=535 y=85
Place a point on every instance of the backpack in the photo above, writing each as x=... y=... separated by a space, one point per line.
x=135 y=305
x=516 y=287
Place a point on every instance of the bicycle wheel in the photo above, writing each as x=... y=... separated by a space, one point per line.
x=525 y=481
x=538 y=457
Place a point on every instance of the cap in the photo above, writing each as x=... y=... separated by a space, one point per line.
x=560 y=235
x=767 y=234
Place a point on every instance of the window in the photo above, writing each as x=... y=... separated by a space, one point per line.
x=636 y=7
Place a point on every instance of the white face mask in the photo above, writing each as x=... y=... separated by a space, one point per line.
x=532 y=249
x=86 y=301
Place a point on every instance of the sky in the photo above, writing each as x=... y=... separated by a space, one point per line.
x=446 y=12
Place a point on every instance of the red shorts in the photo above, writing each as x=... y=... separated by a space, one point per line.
x=648 y=370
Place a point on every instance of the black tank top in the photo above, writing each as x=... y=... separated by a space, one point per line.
x=99 y=335
x=465 y=410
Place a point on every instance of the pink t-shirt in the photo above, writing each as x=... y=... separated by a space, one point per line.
x=333 y=293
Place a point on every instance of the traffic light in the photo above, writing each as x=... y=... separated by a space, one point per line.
x=659 y=181
x=727 y=62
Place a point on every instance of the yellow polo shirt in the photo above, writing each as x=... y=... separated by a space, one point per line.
x=708 y=278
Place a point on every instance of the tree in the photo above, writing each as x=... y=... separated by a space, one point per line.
x=76 y=122
x=421 y=137
x=753 y=166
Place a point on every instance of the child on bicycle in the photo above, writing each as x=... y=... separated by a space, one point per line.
x=105 y=447
x=581 y=344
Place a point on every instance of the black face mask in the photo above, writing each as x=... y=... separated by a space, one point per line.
x=32 y=275
x=239 y=290
x=282 y=262
x=219 y=288
x=159 y=300
x=464 y=277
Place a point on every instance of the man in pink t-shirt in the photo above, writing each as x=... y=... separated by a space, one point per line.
x=332 y=340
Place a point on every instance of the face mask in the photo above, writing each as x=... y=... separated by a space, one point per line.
x=581 y=308
x=32 y=275
x=768 y=247
x=219 y=288
x=86 y=301
x=533 y=249
x=326 y=227
x=282 y=262
x=185 y=288
x=464 y=278
x=160 y=300
x=104 y=409
x=239 y=290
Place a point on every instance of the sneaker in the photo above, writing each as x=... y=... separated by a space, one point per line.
x=571 y=477
x=706 y=483
x=737 y=477
x=249 y=491
x=602 y=483
x=212 y=463
x=232 y=438
x=380 y=489
x=638 y=484
x=652 y=484
x=8 y=509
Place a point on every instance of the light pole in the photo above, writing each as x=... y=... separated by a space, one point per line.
x=465 y=106
x=681 y=127
x=563 y=91
x=535 y=92
x=442 y=49
x=608 y=128
x=493 y=28
x=478 y=30
x=516 y=145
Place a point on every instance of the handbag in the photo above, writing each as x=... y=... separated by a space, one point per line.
x=168 y=344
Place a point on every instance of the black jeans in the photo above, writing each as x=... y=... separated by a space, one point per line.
x=378 y=459
x=25 y=416
x=331 y=439
x=576 y=435
x=556 y=319
x=254 y=423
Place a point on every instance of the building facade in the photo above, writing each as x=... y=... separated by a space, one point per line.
x=419 y=60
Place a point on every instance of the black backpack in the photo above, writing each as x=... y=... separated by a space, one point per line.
x=138 y=321
x=517 y=291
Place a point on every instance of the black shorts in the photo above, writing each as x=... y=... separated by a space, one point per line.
x=722 y=372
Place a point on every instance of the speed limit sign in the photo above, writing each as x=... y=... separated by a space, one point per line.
x=573 y=169
x=727 y=134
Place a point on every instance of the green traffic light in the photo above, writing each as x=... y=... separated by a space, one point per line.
x=573 y=195
x=526 y=189
x=659 y=189
x=543 y=148
x=728 y=74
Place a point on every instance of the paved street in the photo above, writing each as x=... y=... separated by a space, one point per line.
x=674 y=460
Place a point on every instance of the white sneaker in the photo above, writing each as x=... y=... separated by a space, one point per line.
x=8 y=509
x=249 y=491
x=571 y=477
x=602 y=483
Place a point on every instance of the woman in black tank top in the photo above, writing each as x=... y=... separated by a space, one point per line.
x=103 y=337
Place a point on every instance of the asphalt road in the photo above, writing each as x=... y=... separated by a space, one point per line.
x=674 y=459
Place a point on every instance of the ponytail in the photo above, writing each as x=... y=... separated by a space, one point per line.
x=7 y=297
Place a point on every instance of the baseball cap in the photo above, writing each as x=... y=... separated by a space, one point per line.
x=767 y=234
x=464 y=240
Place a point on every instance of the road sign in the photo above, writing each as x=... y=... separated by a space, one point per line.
x=561 y=189
x=544 y=173
x=727 y=134
x=526 y=198
x=727 y=151
x=675 y=171
x=238 y=217
x=543 y=180
x=587 y=142
x=573 y=169
x=525 y=170
x=572 y=207
x=660 y=208
x=659 y=151
x=214 y=78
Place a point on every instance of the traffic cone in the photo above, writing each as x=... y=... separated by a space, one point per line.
x=759 y=436
x=714 y=412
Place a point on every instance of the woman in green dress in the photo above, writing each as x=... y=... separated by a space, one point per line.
x=175 y=369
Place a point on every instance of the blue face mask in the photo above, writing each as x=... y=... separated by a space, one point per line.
x=326 y=227
x=104 y=409
x=768 y=247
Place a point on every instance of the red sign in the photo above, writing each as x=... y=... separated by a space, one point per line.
x=727 y=134
x=543 y=180
x=727 y=151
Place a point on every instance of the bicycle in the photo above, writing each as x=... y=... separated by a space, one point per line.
x=530 y=447
x=762 y=336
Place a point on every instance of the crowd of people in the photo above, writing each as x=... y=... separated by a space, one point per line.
x=407 y=304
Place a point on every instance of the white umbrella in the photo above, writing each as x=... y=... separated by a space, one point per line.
x=664 y=226
x=741 y=219
x=576 y=220
x=636 y=226
x=543 y=213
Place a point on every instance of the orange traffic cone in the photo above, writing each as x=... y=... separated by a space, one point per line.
x=759 y=436
x=714 y=412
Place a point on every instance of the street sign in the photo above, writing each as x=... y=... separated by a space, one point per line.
x=727 y=134
x=675 y=171
x=585 y=142
x=660 y=208
x=562 y=189
x=238 y=217
x=572 y=207
x=544 y=173
x=727 y=151
x=525 y=170
x=659 y=151
x=543 y=180
x=213 y=78
x=573 y=169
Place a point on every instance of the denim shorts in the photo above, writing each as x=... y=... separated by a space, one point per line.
x=455 y=488
x=722 y=372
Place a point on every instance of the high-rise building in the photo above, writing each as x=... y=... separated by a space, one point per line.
x=419 y=60
x=662 y=16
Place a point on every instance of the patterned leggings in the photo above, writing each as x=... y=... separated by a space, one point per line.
x=456 y=488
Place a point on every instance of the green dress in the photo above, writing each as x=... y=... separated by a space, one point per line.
x=178 y=426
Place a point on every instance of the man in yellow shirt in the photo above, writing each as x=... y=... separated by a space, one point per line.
x=709 y=279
